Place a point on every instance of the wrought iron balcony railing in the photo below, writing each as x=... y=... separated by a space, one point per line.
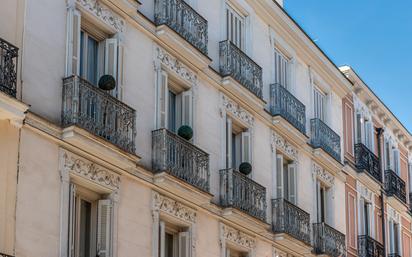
x=395 y=186
x=328 y=240
x=235 y=63
x=290 y=219
x=369 y=247
x=98 y=112
x=177 y=156
x=240 y=192
x=394 y=255
x=367 y=161
x=324 y=137
x=283 y=103
x=8 y=67
x=5 y=255
x=185 y=21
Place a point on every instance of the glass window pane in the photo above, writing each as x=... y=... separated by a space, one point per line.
x=85 y=230
x=92 y=46
x=172 y=112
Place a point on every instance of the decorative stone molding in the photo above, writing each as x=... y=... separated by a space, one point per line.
x=237 y=111
x=75 y=165
x=278 y=253
x=365 y=193
x=393 y=214
x=174 y=65
x=229 y=234
x=323 y=175
x=284 y=146
x=173 y=208
x=104 y=13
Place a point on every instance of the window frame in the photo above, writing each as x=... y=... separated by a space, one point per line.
x=242 y=17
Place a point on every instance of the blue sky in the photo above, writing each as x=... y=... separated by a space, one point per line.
x=372 y=36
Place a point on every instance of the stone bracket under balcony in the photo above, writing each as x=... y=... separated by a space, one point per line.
x=12 y=109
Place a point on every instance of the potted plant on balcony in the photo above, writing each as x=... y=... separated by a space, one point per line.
x=186 y=132
x=107 y=82
x=245 y=168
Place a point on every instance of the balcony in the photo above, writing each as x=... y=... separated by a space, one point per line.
x=328 y=240
x=5 y=255
x=179 y=158
x=283 y=103
x=235 y=63
x=96 y=111
x=395 y=186
x=366 y=160
x=325 y=138
x=368 y=247
x=394 y=255
x=290 y=219
x=185 y=21
x=240 y=192
x=8 y=68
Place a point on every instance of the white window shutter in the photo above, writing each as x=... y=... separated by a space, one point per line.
x=397 y=163
x=227 y=252
x=72 y=219
x=358 y=128
x=187 y=108
x=163 y=99
x=279 y=176
x=184 y=244
x=292 y=182
x=246 y=147
x=104 y=233
x=120 y=75
x=229 y=143
x=73 y=42
x=110 y=59
x=162 y=238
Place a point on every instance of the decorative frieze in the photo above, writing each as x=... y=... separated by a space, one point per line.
x=364 y=192
x=237 y=111
x=323 y=175
x=284 y=146
x=78 y=166
x=174 y=65
x=232 y=235
x=174 y=208
x=104 y=13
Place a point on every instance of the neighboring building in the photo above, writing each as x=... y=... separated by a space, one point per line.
x=93 y=172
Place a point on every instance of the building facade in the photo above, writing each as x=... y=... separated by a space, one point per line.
x=171 y=128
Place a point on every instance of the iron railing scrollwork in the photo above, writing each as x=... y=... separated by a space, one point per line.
x=180 y=17
x=290 y=219
x=180 y=158
x=369 y=247
x=324 y=137
x=367 y=161
x=394 y=255
x=98 y=112
x=327 y=240
x=241 y=192
x=8 y=67
x=235 y=63
x=395 y=186
x=5 y=255
x=285 y=104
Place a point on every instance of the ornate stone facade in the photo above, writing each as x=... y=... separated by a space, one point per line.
x=104 y=13
x=174 y=65
x=237 y=111
x=78 y=166
x=173 y=208
x=323 y=175
x=237 y=237
x=284 y=146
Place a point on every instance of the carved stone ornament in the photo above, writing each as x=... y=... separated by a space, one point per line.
x=104 y=13
x=175 y=65
x=278 y=253
x=237 y=111
x=173 y=208
x=237 y=237
x=78 y=166
x=393 y=214
x=323 y=175
x=284 y=146
x=365 y=192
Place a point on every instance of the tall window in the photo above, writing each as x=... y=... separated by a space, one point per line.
x=319 y=101
x=235 y=27
x=392 y=157
x=285 y=179
x=364 y=131
x=282 y=69
x=174 y=240
x=321 y=201
x=394 y=242
x=238 y=148
x=366 y=212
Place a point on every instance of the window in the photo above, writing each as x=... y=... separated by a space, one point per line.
x=319 y=104
x=321 y=199
x=364 y=131
x=394 y=242
x=175 y=104
x=174 y=240
x=231 y=252
x=235 y=27
x=392 y=157
x=238 y=147
x=285 y=179
x=282 y=70
x=90 y=223
x=366 y=217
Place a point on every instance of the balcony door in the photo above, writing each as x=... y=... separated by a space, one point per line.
x=321 y=202
x=394 y=234
x=235 y=27
x=282 y=69
x=364 y=131
x=366 y=218
x=319 y=102
x=286 y=179
x=238 y=144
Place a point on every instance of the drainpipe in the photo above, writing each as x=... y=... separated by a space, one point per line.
x=380 y=132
